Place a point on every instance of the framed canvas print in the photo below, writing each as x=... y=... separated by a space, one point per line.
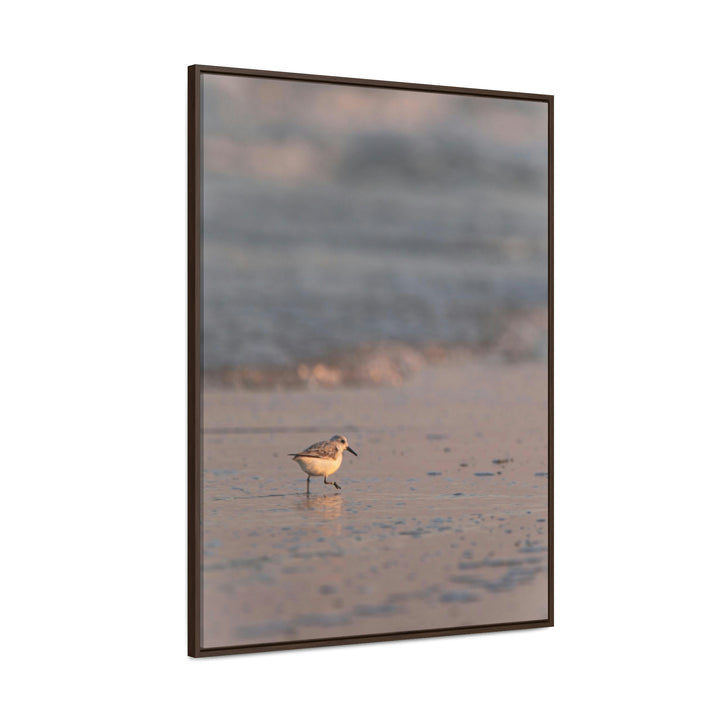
x=370 y=360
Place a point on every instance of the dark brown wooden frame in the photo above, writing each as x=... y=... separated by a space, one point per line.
x=195 y=365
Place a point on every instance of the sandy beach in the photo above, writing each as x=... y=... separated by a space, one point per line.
x=441 y=521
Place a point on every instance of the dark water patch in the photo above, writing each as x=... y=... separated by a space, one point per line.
x=323 y=620
x=414 y=533
x=502 y=461
x=352 y=530
x=255 y=563
x=515 y=576
x=512 y=578
x=423 y=594
x=530 y=547
x=376 y=610
x=319 y=554
x=489 y=563
x=484 y=474
x=294 y=570
x=458 y=596
x=272 y=629
x=434 y=473
x=541 y=474
x=328 y=589
x=435 y=436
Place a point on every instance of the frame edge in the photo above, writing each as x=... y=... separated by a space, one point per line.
x=551 y=360
x=390 y=84
x=195 y=648
x=193 y=457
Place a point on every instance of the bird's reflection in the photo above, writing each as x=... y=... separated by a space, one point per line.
x=327 y=511
x=329 y=506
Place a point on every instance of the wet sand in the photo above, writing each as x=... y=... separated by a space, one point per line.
x=441 y=521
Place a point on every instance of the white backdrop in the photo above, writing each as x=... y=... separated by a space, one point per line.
x=93 y=360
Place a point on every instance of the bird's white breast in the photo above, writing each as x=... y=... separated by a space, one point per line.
x=319 y=466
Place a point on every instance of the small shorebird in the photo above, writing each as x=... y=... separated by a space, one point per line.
x=323 y=458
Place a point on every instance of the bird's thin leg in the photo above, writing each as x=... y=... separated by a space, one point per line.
x=331 y=483
x=308 y=485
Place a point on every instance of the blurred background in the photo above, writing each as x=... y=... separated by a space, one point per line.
x=347 y=225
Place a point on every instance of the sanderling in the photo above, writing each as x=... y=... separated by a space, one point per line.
x=323 y=458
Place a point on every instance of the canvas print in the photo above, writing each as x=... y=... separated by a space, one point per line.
x=373 y=440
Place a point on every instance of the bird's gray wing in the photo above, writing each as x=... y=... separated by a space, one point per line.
x=322 y=449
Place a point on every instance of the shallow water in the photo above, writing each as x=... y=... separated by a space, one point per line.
x=428 y=531
x=385 y=554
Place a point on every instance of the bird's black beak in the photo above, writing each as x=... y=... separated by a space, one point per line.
x=349 y=449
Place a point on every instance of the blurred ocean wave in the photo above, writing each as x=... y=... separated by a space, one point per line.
x=287 y=278
x=523 y=337
x=344 y=218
